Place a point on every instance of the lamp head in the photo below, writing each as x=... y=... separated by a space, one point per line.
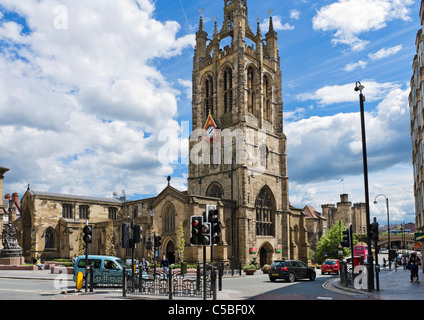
x=359 y=86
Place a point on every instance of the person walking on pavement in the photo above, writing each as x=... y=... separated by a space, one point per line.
x=164 y=264
x=414 y=262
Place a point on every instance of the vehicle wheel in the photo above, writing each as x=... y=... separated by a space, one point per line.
x=291 y=277
x=322 y=272
x=312 y=276
x=272 y=279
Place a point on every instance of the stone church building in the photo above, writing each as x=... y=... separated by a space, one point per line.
x=238 y=162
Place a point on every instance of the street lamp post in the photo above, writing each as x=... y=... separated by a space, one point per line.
x=370 y=270
x=388 y=224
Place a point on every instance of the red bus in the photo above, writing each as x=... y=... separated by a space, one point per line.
x=360 y=250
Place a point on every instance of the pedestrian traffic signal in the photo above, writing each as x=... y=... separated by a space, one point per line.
x=347 y=238
x=158 y=241
x=138 y=230
x=196 y=230
x=205 y=238
x=88 y=234
x=126 y=235
x=149 y=244
x=215 y=225
x=374 y=230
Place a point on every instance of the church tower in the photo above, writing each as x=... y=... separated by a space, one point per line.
x=237 y=147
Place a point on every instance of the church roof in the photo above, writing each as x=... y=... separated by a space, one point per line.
x=73 y=197
x=311 y=213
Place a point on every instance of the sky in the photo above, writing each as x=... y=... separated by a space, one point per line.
x=91 y=91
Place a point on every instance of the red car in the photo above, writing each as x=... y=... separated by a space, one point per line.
x=330 y=266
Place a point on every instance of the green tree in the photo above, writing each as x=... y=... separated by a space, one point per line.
x=180 y=243
x=328 y=245
x=110 y=243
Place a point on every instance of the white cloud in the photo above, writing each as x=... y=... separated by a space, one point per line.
x=84 y=106
x=350 y=18
x=295 y=14
x=384 y=53
x=345 y=93
x=324 y=150
x=352 y=66
x=277 y=23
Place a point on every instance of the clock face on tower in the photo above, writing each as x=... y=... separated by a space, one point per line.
x=210 y=129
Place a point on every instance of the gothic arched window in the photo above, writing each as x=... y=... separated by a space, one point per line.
x=251 y=90
x=228 y=90
x=215 y=191
x=208 y=95
x=49 y=239
x=267 y=92
x=168 y=219
x=265 y=214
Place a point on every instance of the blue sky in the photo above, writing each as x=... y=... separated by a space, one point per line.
x=88 y=87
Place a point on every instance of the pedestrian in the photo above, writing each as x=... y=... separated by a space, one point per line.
x=384 y=262
x=414 y=262
x=38 y=264
x=164 y=264
x=144 y=265
x=74 y=259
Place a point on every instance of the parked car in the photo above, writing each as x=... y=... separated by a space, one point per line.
x=330 y=266
x=290 y=270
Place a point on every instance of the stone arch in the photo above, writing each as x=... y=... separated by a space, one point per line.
x=265 y=253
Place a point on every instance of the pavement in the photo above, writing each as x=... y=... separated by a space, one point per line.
x=393 y=285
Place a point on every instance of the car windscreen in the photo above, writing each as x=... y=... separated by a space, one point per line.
x=330 y=262
x=278 y=264
x=123 y=263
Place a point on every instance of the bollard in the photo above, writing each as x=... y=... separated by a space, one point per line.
x=91 y=278
x=170 y=287
x=124 y=282
x=213 y=284
x=198 y=277
x=220 y=275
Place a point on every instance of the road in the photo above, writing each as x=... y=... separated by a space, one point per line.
x=256 y=287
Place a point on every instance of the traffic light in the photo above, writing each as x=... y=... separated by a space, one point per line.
x=126 y=235
x=158 y=241
x=215 y=225
x=137 y=234
x=374 y=230
x=149 y=245
x=347 y=238
x=88 y=234
x=205 y=238
x=196 y=230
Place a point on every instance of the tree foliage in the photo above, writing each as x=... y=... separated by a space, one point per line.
x=328 y=245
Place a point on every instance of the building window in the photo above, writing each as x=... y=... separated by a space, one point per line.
x=168 y=218
x=228 y=90
x=112 y=213
x=264 y=214
x=49 y=239
x=67 y=211
x=214 y=191
x=267 y=92
x=135 y=212
x=208 y=94
x=83 y=212
x=250 y=90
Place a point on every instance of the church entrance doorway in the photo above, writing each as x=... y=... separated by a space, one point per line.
x=170 y=252
x=265 y=254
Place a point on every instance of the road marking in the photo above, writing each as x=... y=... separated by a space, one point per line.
x=326 y=286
